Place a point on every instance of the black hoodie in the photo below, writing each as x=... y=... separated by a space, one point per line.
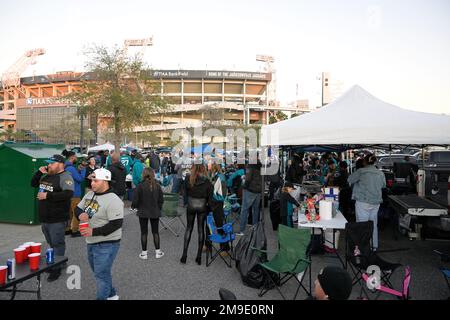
x=118 y=176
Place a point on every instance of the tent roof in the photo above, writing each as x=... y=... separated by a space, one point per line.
x=36 y=151
x=358 y=118
x=106 y=146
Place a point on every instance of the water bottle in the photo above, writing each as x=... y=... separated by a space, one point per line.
x=357 y=254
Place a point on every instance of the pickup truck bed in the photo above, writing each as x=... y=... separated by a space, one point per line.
x=416 y=206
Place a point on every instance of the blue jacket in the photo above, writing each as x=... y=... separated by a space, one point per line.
x=367 y=183
x=138 y=167
x=78 y=178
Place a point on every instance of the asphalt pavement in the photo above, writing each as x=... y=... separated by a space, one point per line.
x=168 y=279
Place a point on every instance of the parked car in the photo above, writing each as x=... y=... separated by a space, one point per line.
x=386 y=162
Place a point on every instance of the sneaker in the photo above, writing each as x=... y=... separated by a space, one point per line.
x=239 y=234
x=143 y=256
x=116 y=297
x=159 y=254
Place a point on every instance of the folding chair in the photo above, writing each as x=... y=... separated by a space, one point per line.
x=445 y=257
x=170 y=212
x=291 y=260
x=215 y=237
x=359 y=234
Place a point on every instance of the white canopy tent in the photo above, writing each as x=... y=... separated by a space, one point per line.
x=107 y=146
x=358 y=118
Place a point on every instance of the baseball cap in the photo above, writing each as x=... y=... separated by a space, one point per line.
x=335 y=282
x=56 y=158
x=102 y=174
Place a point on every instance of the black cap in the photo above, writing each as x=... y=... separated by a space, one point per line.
x=335 y=282
x=288 y=185
x=56 y=158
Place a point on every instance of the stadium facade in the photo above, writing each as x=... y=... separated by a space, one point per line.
x=230 y=98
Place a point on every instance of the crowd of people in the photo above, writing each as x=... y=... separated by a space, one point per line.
x=202 y=184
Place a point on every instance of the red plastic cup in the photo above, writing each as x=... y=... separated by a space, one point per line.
x=36 y=247
x=27 y=251
x=19 y=255
x=3 y=273
x=34 y=259
x=83 y=226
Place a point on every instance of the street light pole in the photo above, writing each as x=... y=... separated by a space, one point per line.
x=81 y=132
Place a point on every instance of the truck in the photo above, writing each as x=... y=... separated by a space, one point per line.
x=425 y=214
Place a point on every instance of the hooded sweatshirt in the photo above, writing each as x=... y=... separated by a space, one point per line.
x=118 y=176
x=78 y=178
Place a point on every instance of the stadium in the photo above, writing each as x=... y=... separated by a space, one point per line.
x=232 y=98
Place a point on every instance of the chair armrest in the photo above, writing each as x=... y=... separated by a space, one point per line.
x=298 y=261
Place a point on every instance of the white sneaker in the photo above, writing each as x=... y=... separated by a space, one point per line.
x=143 y=255
x=116 y=297
x=240 y=234
x=159 y=254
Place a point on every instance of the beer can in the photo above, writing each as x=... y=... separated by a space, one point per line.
x=11 y=264
x=49 y=255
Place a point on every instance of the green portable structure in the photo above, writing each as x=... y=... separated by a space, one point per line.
x=18 y=163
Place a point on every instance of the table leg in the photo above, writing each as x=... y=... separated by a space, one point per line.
x=13 y=295
x=335 y=249
x=39 y=287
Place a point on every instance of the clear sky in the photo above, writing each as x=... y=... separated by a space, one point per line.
x=397 y=50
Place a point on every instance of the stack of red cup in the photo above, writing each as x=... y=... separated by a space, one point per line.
x=19 y=255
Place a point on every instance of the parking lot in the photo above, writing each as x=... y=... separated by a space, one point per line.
x=167 y=278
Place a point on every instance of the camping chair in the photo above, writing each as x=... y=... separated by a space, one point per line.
x=403 y=295
x=170 y=213
x=445 y=257
x=214 y=236
x=360 y=234
x=291 y=261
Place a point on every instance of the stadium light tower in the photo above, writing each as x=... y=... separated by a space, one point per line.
x=11 y=77
x=270 y=68
x=143 y=43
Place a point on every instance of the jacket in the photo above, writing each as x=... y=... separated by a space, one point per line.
x=118 y=176
x=367 y=183
x=253 y=179
x=148 y=202
x=202 y=189
x=154 y=161
x=138 y=167
x=78 y=178
x=89 y=171
x=59 y=188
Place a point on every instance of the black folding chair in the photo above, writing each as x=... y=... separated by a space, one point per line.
x=359 y=234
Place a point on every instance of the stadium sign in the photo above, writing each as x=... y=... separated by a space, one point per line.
x=210 y=74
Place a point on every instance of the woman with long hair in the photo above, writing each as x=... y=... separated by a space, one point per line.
x=198 y=190
x=148 y=200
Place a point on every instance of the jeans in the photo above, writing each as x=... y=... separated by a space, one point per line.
x=101 y=257
x=55 y=236
x=249 y=199
x=366 y=212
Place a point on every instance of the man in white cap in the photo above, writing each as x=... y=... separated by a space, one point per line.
x=102 y=209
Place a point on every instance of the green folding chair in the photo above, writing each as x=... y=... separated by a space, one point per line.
x=291 y=260
x=170 y=212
